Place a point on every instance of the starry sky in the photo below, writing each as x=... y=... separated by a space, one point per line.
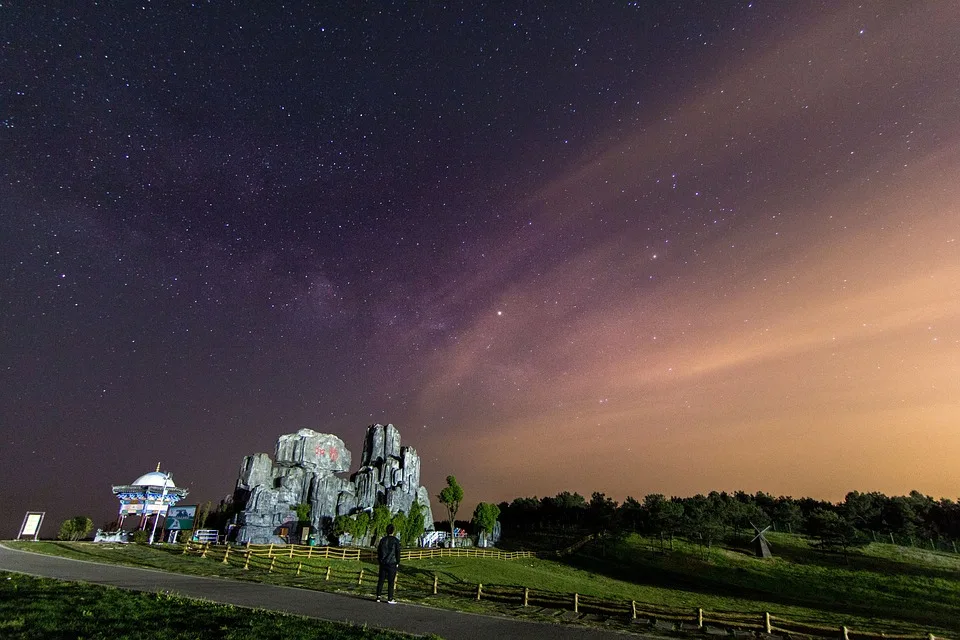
x=628 y=247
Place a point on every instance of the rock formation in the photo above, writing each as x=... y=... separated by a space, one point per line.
x=304 y=470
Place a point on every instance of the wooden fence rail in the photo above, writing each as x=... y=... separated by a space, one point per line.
x=459 y=552
x=356 y=553
x=301 y=562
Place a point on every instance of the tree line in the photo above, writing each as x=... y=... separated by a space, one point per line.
x=860 y=518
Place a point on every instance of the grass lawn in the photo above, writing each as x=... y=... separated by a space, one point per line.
x=38 y=608
x=881 y=588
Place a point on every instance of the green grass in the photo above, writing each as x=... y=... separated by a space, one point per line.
x=39 y=608
x=879 y=588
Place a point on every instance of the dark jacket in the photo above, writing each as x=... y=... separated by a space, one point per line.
x=388 y=551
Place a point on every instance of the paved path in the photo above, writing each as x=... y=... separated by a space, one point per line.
x=411 y=618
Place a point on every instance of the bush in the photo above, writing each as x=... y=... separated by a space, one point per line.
x=140 y=536
x=76 y=528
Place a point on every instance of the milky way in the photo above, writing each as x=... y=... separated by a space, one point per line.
x=620 y=248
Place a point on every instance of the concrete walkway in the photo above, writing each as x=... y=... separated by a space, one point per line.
x=410 y=618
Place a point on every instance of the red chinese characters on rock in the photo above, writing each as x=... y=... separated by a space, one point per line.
x=321 y=452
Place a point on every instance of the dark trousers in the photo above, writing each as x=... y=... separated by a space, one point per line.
x=388 y=572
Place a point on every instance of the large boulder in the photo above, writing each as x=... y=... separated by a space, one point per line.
x=314 y=451
x=423 y=497
x=304 y=472
x=266 y=515
x=367 y=485
x=255 y=470
x=324 y=498
x=382 y=442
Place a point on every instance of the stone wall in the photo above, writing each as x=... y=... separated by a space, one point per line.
x=304 y=470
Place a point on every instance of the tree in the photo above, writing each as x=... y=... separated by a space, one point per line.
x=203 y=514
x=362 y=528
x=76 y=528
x=569 y=508
x=834 y=531
x=863 y=510
x=521 y=513
x=631 y=511
x=343 y=524
x=303 y=512
x=663 y=516
x=900 y=516
x=603 y=513
x=701 y=519
x=379 y=521
x=485 y=517
x=451 y=496
x=787 y=514
x=399 y=522
x=414 y=526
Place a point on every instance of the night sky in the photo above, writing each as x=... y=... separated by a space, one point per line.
x=628 y=247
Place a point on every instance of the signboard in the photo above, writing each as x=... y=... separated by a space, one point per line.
x=181 y=518
x=136 y=507
x=31 y=524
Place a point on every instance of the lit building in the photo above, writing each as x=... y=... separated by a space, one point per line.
x=150 y=494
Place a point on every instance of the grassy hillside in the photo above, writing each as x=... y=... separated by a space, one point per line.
x=880 y=586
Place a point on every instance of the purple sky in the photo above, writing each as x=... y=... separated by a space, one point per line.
x=615 y=246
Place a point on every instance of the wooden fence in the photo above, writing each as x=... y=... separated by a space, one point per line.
x=464 y=552
x=278 y=551
x=356 y=553
x=301 y=561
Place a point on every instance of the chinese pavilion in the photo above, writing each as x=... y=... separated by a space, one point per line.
x=150 y=494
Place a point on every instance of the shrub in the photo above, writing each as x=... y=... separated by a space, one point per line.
x=76 y=528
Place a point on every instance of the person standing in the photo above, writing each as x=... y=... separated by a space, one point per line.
x=388 y=555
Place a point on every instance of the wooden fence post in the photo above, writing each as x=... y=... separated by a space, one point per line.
x=633 y=609
x=203 y=554
x=186 y=548
x=360 y=579
x=299 y=567
x=526 y=596
x=767 y=627
x=327 y=578
x=891 y=538
x=700 y=618
x=576 y=603
x=845 y=633
x=436 y=579
x=309 y=552
x=396 y=577
x=291 y=551
x=226 y=555
x=273 y=561
x=270 y=552
x=246 y=565
x=479 y=590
